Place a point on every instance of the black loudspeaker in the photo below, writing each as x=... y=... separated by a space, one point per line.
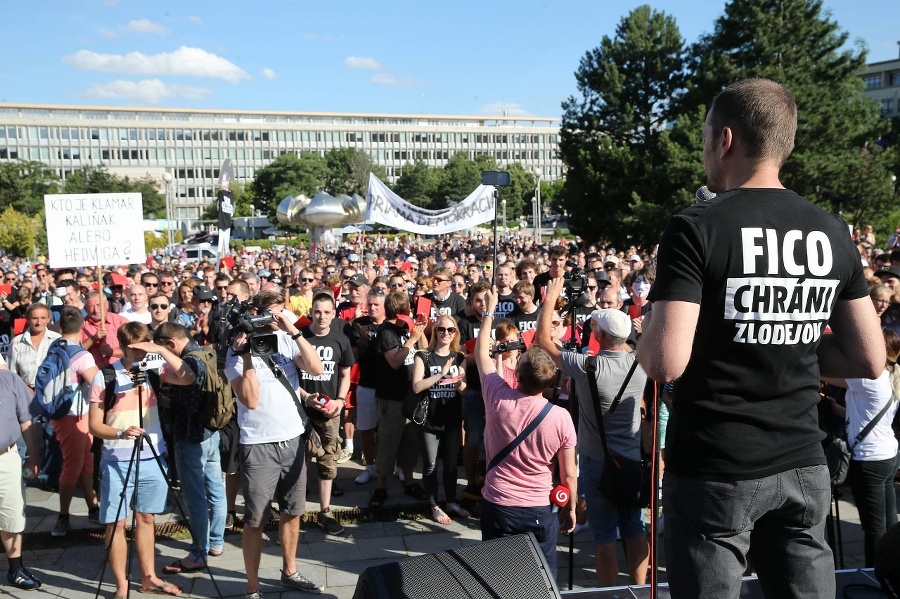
x=512 y=567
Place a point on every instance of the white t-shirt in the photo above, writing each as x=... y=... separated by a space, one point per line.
x=865 y=399
x=144 y=317
x=276 y=418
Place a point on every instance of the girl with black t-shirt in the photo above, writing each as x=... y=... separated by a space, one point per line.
x=441 y=370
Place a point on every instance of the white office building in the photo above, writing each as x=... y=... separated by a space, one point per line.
x=191 y=144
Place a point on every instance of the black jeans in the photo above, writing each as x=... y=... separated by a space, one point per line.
x=448 y=441
x=872 y=484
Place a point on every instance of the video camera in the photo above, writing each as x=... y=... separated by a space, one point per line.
x=150 y=362
x=576 y=283
x=505 y=347
x=261 y=339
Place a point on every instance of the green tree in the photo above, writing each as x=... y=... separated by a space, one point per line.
x=520 y=190
x=418 y=184
x=461 y=176
x=17 y=232
x=23 y=185
x=626 y=171
x=288 y=174
x=796 y=43
x=348 y=171
x=552 y=195
x=96 y=179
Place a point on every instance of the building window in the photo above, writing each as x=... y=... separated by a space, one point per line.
x=872 y=81
x=887 y=106
x=895 y=78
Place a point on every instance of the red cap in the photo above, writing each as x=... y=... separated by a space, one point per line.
x=119 y=280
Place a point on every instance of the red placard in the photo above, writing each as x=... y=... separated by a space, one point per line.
x=423 y=307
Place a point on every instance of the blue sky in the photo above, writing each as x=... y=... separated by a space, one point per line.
x=460 y=57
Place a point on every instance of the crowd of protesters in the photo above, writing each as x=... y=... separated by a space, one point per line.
x=383 y=320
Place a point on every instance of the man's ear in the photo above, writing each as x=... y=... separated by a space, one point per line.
x=726 y=142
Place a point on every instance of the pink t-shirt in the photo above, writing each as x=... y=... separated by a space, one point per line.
x=78 y=366
x=525 y=477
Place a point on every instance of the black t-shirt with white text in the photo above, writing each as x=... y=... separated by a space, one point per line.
x=506 y=305
x=368 y=350
x=445 y=403
x=448 y=306
x=525 y=322
x=469 y=327
x=333 y=349
x=766 y=268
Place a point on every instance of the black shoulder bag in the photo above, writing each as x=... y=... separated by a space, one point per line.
x=311 y=438
x=838 y=454
x=624 y=481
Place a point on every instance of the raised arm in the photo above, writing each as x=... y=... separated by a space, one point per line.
x=544 y=333
x=483 y=343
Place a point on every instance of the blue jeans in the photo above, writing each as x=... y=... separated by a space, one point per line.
x=711 y=526
x=605 y=517
x=200 y=469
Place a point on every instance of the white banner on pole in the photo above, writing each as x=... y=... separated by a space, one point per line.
x=94 y=228
x=386 y=207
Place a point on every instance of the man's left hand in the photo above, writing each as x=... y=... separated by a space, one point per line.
x=33 y=467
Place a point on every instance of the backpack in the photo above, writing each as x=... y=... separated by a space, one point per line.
x=52 y=392
x=218 y=399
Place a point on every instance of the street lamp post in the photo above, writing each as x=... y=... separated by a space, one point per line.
x=503 y=203
x=167 y=177
x=537 y=200
x=534 y=221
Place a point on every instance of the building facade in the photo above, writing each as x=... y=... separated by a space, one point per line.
x=882 y=80
x=190 y=145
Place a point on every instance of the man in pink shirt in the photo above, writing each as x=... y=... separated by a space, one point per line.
x=97 y=337
x=517 y=489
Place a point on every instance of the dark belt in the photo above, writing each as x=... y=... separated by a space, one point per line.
x=8 y=449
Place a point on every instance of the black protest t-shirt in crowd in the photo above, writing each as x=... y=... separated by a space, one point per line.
x=506 y=305
x=766 y=268
x=392 y=384
x=525 y=322
x=448 y=306
x=333 y=349
x=445 y=405
x=367 y=344
x=469 y=327
x=6 y=333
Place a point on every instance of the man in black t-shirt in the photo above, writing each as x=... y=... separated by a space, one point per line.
x=746 y=284
x=506 y=302
x=557 y=262
x=526 y=312
x=397 y=442
x=327 y=397
x=443 y=300
x=365 y=412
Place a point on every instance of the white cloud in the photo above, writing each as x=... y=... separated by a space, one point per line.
x=196 y=19
x=109 y=33
x=362 y=62
x=269 y=74
x=185 y=62
x=146 y=26
x=147 y=91
x=395 y=80
x=503 y=108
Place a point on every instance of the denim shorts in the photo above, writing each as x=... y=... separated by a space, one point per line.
x=152 y=489
x=605 y=517
x=473 y=418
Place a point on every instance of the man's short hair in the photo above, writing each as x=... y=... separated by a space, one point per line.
x=523 y=287
x=169 y=330
x=762 y=113
x=36 y=306
x=559 y=250
x=478 y=287
x=440 y=271
x=133 y=332
x=536 y=371
x=222 y=277
x=241 y=284
x=396 y=303
x=323 y=297
x=267 y=299
x=70 y=320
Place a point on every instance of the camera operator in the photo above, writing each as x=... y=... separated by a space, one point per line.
x=611 y=329
x=272 y=460
x=517 y=490
x=120 y=425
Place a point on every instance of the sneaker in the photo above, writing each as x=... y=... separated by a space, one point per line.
x=366 y=475
x=253 y=595
x=61 y=528
x=345 y=456
x=328 y=523
x=399 y=474
x=94 y=515
x=229 y=520
x=300 y=582
x=23 y=579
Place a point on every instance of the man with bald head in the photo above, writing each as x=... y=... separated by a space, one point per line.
x=137 y=311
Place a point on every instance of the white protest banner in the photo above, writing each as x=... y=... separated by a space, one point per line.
x=93 y=229
x=386 y=207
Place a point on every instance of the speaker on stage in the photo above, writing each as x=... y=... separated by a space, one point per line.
x=512 y=567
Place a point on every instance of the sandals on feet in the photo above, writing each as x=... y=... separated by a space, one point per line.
x=178 y=567
x=454 y=509
x=379 y=496
x=439 y=516
x=166 y=588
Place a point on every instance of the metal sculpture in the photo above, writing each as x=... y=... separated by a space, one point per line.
x=321 y=212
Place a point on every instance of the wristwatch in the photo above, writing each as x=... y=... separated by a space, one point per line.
x=486 y=314
x=120 y=434
x=297 y=334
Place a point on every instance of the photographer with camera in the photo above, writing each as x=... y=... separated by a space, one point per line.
x=264 y=367
x=519 y=477
x=611 y=329
x=122 y=411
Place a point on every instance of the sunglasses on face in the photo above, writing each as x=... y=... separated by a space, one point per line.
x=592 y=288
x=440 y=280
x=446 y=330
x=398 y=285
x=459 y=284
x=166 y=283
x=222 y=288
x=159 y=306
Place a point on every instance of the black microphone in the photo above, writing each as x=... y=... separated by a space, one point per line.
x=704 y=195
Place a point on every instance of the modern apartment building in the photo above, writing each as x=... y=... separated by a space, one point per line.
x=882 y=81
x=191 y=144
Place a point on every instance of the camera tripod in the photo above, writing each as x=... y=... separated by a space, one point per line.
x=139 y=377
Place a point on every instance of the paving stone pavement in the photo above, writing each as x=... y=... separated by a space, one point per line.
x=72 y=572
